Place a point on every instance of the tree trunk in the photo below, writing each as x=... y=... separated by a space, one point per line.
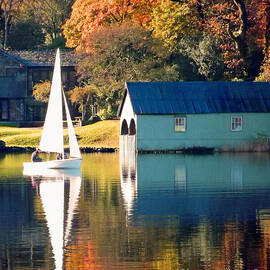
x=83 y=112
x=239 y=36
x=7 y=7
x=199 y=8
x=5 y=32
x=267 y=29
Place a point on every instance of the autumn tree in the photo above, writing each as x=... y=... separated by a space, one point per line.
x=233 y=25
x=84 y=97
x=240 y=55
x=172 y=22
x=119 y=54
x=41 y=91
x=88 y=15
x=179 y=27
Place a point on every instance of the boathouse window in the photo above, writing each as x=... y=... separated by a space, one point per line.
x=236 y=123
x=180 y=124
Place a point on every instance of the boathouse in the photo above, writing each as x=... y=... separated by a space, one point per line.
x=165 y=116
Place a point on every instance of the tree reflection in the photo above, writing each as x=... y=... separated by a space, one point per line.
x=151 y=212
x=183 y=213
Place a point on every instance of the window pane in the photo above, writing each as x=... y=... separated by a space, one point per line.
x=236 y=123
x=4 y=109
x=180 y=124
x=16 y=110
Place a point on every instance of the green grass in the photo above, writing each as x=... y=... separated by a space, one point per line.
x=100 y=134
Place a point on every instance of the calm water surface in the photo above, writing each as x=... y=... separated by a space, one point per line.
x=123 y=211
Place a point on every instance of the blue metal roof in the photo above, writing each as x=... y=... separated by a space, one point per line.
x=198 y=97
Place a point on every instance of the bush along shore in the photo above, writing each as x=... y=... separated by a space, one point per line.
x=19 y=149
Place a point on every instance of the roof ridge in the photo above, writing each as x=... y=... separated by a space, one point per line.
x=5 y=53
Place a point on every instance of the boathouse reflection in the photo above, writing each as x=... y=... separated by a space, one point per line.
x=196 y=185
x=128 y=178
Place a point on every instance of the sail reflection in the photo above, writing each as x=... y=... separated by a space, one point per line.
x=53 y=185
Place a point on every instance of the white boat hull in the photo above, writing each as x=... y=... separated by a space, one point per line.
x=74 y=163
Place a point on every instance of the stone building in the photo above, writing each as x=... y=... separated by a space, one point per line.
x=19 y=72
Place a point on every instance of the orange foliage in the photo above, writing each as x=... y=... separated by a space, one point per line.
x=88 y=15
x=259 y=11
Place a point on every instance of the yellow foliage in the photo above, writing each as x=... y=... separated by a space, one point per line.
x=171 y=21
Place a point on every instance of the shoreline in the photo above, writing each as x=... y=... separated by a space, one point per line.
x=19 y=149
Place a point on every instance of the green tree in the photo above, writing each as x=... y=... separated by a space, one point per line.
x=26 y=36
x=50 y=15
x=119 y=54
x=205 y=55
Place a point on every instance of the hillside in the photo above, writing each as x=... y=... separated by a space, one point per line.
x=100 y=134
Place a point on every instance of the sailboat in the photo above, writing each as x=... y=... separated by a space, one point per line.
x=52 y=139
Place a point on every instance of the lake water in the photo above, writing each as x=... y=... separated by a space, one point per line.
x=123 y=211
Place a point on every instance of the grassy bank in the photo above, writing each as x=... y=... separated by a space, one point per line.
x=100 y=134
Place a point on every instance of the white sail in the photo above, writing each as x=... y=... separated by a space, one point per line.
x=74 y=149
x=52 y=135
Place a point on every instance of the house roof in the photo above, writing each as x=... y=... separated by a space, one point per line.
x=41 y=58
x=197 y=97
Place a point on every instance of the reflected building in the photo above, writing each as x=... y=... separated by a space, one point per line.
x=196 y=185
x=212 y=205
x=128 y=177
